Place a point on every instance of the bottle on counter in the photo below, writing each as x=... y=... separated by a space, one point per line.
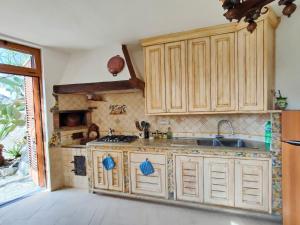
x=169 y=133
x=268 y=135
x=146 y=133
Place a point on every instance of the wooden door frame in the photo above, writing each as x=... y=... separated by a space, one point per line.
x=36 y=74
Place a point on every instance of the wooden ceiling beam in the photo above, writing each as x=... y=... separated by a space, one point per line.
x=90 y=88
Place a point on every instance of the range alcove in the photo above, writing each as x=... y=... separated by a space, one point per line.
x=70 y=119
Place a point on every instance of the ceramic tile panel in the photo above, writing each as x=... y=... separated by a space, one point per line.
x=55 y=165
x=72 y=102
x=61 y=168
x=276 y=152
x=249 y=125
x=69 y=178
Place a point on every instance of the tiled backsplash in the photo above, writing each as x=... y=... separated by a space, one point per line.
x=249 y=126
x=72 y=102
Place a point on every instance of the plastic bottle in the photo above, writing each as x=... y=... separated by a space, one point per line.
x=268 y=135
x=169 y=133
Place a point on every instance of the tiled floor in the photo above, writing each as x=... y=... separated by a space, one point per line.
x=14 y=187
x=77 y=207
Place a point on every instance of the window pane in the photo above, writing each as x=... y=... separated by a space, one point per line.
x=14 y=58
x=11 y=88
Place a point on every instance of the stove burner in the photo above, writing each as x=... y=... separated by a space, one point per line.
x=118 y=138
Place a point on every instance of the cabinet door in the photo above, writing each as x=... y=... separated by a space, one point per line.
x=219 y=181
x=189 y=178
x=115 y=176
x=250 y=66
x=175 y=65
x=223 y=81
x=99 y=172
x=199 y=75
x=155 y=79
x=153 y=185
x=252 y=184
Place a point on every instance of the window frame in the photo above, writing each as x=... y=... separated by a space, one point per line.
x=36 y=71
x=36 y=75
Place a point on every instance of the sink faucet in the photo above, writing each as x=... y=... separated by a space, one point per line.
x=111 y=132
x=219 y=126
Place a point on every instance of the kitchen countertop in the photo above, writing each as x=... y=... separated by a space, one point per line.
x=183 y=144
x=73 y=146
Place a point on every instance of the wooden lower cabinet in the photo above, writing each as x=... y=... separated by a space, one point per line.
x=152 y=185
x=240 y=183
x=219 y=181
x=252 y=184
x=189 y=178
x=99 y=173
x=108 y=179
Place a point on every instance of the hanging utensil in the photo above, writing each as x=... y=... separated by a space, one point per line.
x=138 y=126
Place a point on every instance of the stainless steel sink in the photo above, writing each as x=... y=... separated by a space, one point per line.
x=226 y=142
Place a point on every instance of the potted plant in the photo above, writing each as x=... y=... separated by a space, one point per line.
x=12 y=106
x=281 y=102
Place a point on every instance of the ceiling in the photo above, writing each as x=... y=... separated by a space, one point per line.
x=85 y=24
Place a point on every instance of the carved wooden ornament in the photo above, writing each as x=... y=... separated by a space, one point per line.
x=115 y=65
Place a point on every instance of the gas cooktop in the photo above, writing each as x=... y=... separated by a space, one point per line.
x=118 y=138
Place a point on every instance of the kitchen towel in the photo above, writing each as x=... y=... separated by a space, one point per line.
x=146 y=167
x=108 y=163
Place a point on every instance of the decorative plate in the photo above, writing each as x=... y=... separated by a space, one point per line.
x=115 y=65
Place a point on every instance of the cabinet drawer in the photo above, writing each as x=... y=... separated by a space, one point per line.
x=153 y=158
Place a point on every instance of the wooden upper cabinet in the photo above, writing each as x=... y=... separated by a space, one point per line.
x=155 y=79
x=212 y=70
x=250 y=67
x=199 y=97
x=175 y=69
x=223 y=80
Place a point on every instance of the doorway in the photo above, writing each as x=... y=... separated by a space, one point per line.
x=22 y=163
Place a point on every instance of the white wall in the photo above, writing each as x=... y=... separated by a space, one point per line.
x=288 y=59
x=54 y=65
x=91 y=66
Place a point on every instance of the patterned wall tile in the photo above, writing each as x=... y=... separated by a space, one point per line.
x=72 y=102
x=187 y=125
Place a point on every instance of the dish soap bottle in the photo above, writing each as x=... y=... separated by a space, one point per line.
x=169 y=133
x=268 y=135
